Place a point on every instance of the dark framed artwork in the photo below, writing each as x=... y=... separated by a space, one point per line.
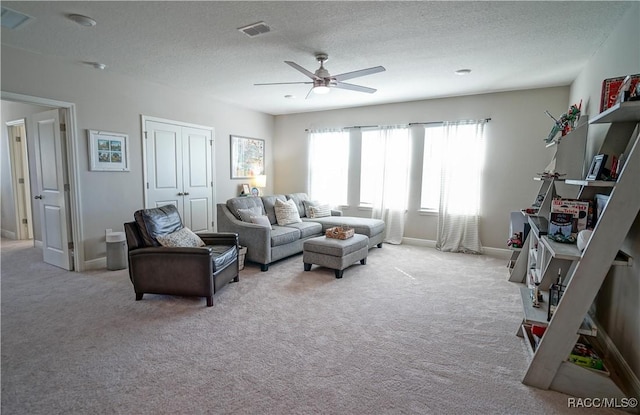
x=247 y=157
x=597 y=167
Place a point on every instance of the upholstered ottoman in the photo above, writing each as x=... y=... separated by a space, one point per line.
x=336 y=254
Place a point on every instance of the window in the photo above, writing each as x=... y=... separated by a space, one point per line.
x=371 y=160
x=452 y=166
x=431 y=167
x=329 y=166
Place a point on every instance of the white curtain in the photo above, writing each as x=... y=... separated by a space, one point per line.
x=329 y=166
x=462 y=161
x=390 y=203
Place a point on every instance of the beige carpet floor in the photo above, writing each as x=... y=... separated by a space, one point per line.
x=414 y=331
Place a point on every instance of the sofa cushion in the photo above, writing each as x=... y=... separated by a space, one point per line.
x=269 y=206
x=152 y=222
x=299 y=199
x=282 y=235
x=307 y=229
x=181 y=238
x=245 y=202
x=286 y=212
x=246 y=214
x=364 y=226
x=223 y=255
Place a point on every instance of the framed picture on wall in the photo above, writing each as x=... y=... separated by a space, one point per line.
x=108 y=151
x=247 y=157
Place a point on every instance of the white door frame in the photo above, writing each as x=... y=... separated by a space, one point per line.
x=143 y=124
x=73 y=169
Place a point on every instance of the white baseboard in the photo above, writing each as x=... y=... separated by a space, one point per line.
x=37 y=244
x=494 y=252
x=93 y=264
x=8 y=234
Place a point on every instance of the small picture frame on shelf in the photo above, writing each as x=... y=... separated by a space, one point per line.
x=597 y=167
x=245 y=189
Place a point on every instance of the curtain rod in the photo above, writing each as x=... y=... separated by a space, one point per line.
x=408 y=125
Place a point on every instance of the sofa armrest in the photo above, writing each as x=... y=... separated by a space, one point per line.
x=257 y=238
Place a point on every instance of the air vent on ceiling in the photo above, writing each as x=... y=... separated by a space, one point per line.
x=255 y=29
x=12 y=19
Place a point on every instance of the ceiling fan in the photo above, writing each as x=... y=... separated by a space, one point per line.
x=322 y=81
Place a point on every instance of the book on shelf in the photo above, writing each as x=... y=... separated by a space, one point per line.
x=585 y=355
x=578 y=208
x=561 y=226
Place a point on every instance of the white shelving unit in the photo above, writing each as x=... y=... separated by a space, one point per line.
x=582 y=272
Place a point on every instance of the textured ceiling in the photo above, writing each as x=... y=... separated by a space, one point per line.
x=196 y=46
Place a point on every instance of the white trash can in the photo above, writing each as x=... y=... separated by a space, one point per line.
x=116 y=251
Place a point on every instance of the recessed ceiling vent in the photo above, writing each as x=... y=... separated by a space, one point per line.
x=12 y=19
x=255 y=29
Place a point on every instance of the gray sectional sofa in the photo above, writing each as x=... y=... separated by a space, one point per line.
x=266 y=244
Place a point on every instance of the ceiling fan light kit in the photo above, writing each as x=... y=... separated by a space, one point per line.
x=322 y=81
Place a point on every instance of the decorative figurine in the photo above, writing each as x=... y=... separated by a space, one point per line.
x=515 y=241
x=566 y=123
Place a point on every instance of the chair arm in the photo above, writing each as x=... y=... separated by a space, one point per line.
x=219 y=238
x=164 y=250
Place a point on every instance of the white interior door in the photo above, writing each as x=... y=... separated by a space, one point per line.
x=197 y=178
x=164 y=165
x=20 y=176
x=52 y=206
x=179 y=171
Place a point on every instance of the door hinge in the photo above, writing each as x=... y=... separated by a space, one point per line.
x=145 y=135
x=212 y=224
x=147 y=185
x=70 y=245
x=24 y=221
x=210 y=142
x=21 y=181
x=63 y=127
x=18 y=139
x=67 y=188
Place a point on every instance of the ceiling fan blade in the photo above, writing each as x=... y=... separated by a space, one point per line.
x=283 y=83
x=301 y=69
x=352 y=87
x=361 y=72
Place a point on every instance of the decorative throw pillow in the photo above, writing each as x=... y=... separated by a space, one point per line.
x=181 y=238
x=307 y=206
x=262 y=220
x=246 y=214
x=286 y=212
x=320 y=211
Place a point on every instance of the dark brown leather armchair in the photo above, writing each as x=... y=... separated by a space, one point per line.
x=198 y=271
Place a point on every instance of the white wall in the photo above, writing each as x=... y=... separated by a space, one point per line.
x=515 y=149
x=617 y=304
x=108 y=101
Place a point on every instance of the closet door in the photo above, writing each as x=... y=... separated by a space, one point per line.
x=179 y=171
x=164 y=165
x=197 y=178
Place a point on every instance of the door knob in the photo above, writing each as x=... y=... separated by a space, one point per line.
x=186 y=193
x=180 y=194
x=37 y=197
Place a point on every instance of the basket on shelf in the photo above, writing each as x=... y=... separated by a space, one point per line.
x=340 y=232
